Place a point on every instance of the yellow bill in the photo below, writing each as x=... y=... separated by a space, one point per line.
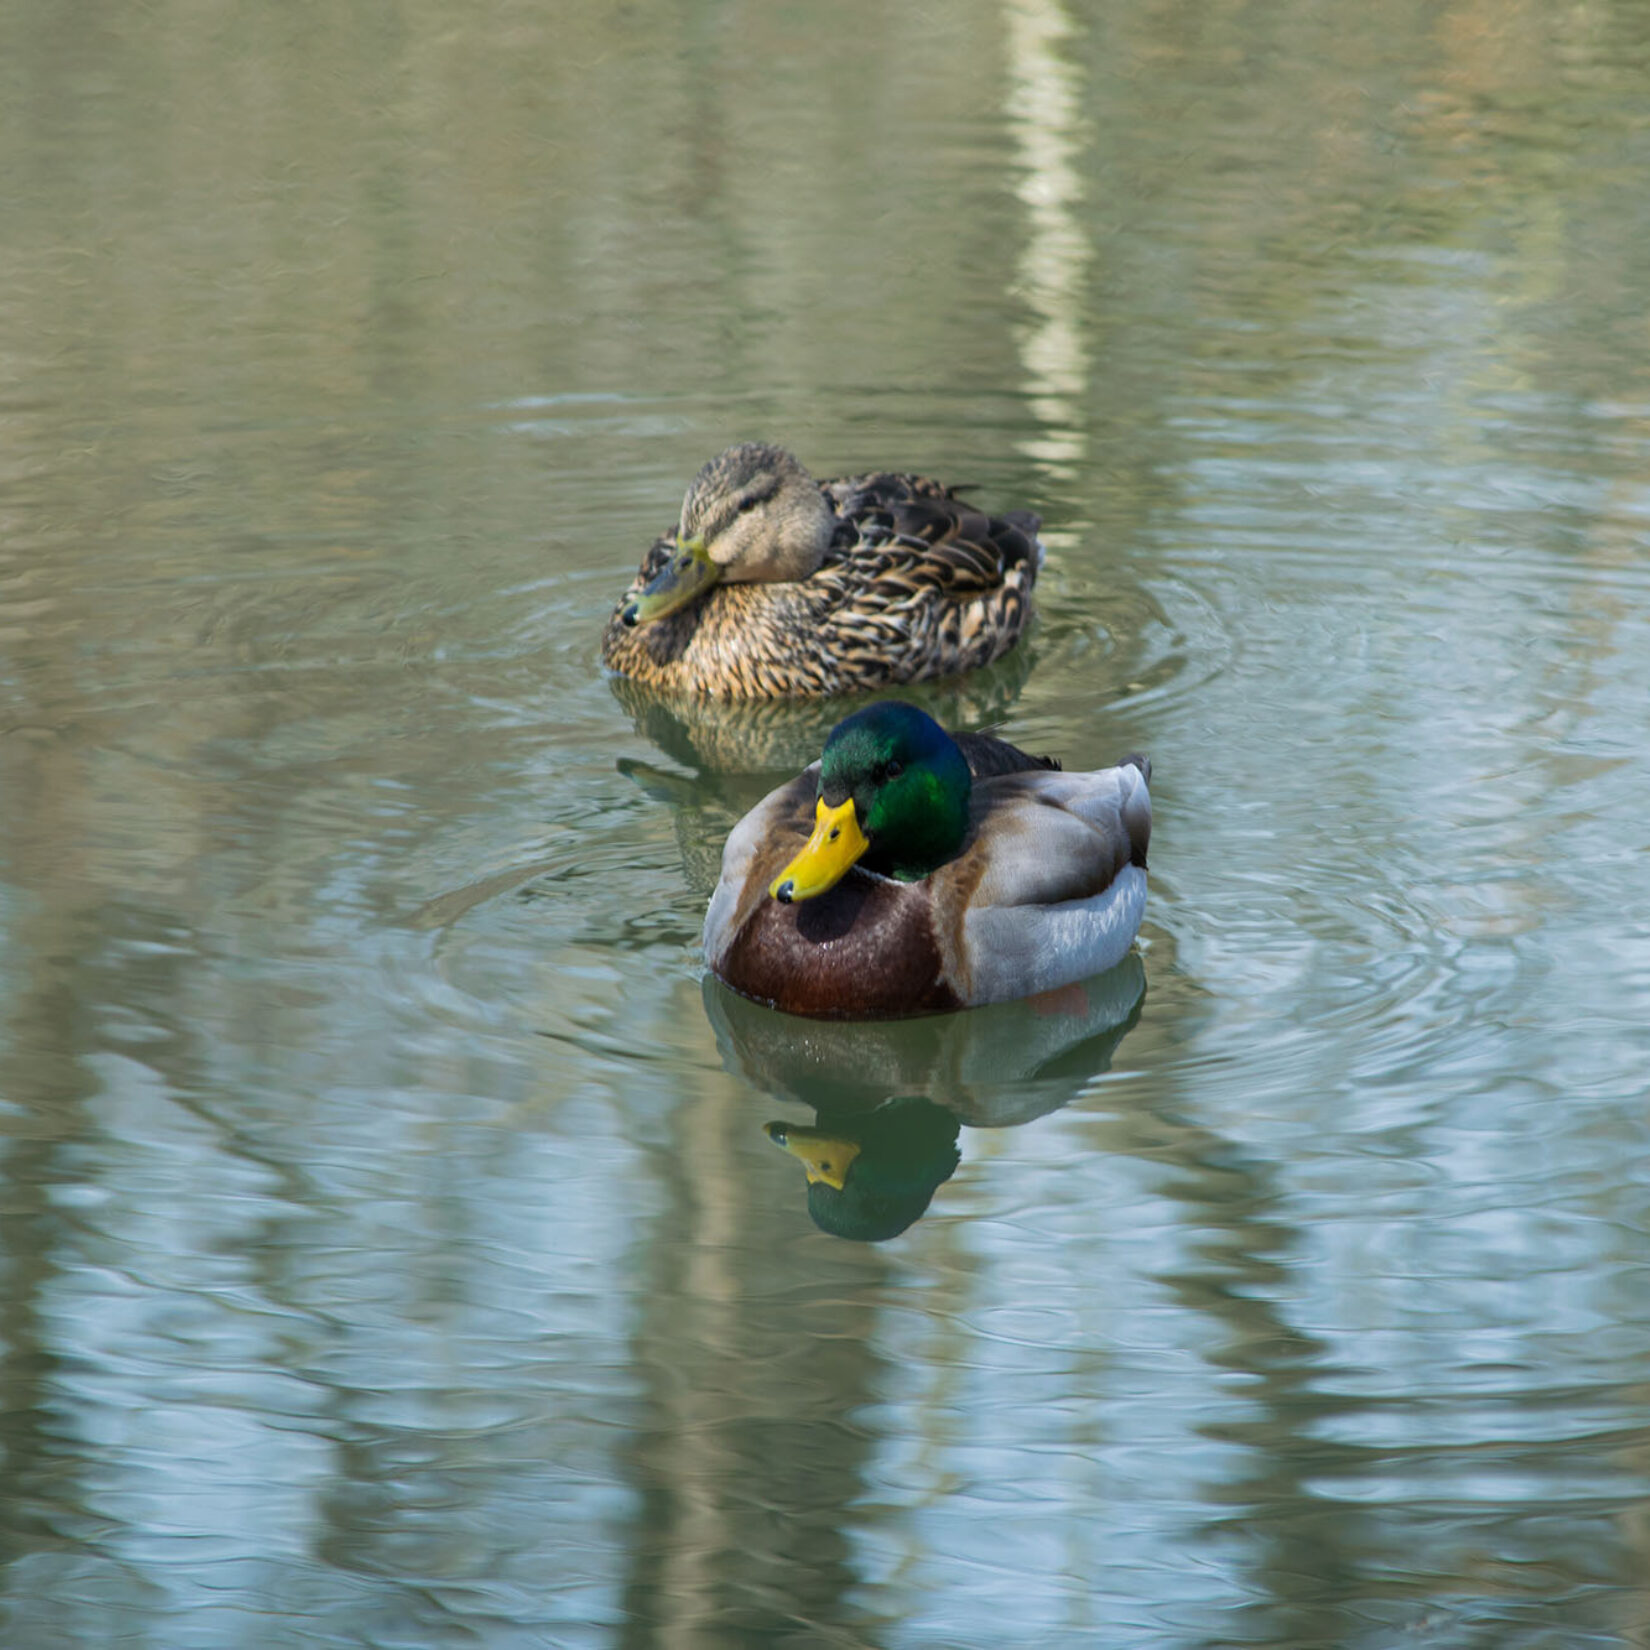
x=825 y=1158
x=826 y=857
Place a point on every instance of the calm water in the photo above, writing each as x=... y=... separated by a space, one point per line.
x=393 y=1253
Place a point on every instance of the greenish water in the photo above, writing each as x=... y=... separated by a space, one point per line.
x=392 y=1249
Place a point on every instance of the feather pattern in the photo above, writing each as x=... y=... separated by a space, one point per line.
x=915 y=583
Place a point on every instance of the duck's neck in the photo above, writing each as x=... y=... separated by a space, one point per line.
x=921 y=829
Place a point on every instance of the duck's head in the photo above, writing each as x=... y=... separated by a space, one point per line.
x=893 y=797
x=752 y=514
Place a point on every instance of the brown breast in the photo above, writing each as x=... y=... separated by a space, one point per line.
x=865 y=950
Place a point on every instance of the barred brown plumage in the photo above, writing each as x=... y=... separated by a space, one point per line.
x=908 y=582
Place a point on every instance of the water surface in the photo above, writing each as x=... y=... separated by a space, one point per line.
x=393 y=1250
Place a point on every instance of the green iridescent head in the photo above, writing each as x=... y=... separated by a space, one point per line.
x=893 y=797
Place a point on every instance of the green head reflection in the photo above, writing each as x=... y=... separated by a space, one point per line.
x=870 y=1175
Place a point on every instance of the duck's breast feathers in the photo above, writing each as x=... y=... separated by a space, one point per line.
x=743 y=641
x=866 y=949
x=758 y=848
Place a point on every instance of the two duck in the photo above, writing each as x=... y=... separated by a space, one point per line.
x=908 y=871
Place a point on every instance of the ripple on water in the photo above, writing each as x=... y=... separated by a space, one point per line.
x=1393 y=871
x=1117 y=633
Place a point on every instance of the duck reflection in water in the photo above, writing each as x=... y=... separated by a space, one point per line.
x=870 y=1176
x=774 y=736
x=872 y=1164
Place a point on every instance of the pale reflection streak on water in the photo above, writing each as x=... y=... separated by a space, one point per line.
x=392 y=1250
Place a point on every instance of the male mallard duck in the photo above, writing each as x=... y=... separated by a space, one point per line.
x=910 y=871
x=774 y=585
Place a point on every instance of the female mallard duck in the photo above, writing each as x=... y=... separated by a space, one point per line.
x=911 y=872
x=774 y=585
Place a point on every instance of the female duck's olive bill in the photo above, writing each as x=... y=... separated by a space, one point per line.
x=826 y=857
x=682 y=580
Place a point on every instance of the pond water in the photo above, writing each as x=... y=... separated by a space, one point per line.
x=395 y=1250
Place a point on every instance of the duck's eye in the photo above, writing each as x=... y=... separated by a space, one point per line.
x=894 y=770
